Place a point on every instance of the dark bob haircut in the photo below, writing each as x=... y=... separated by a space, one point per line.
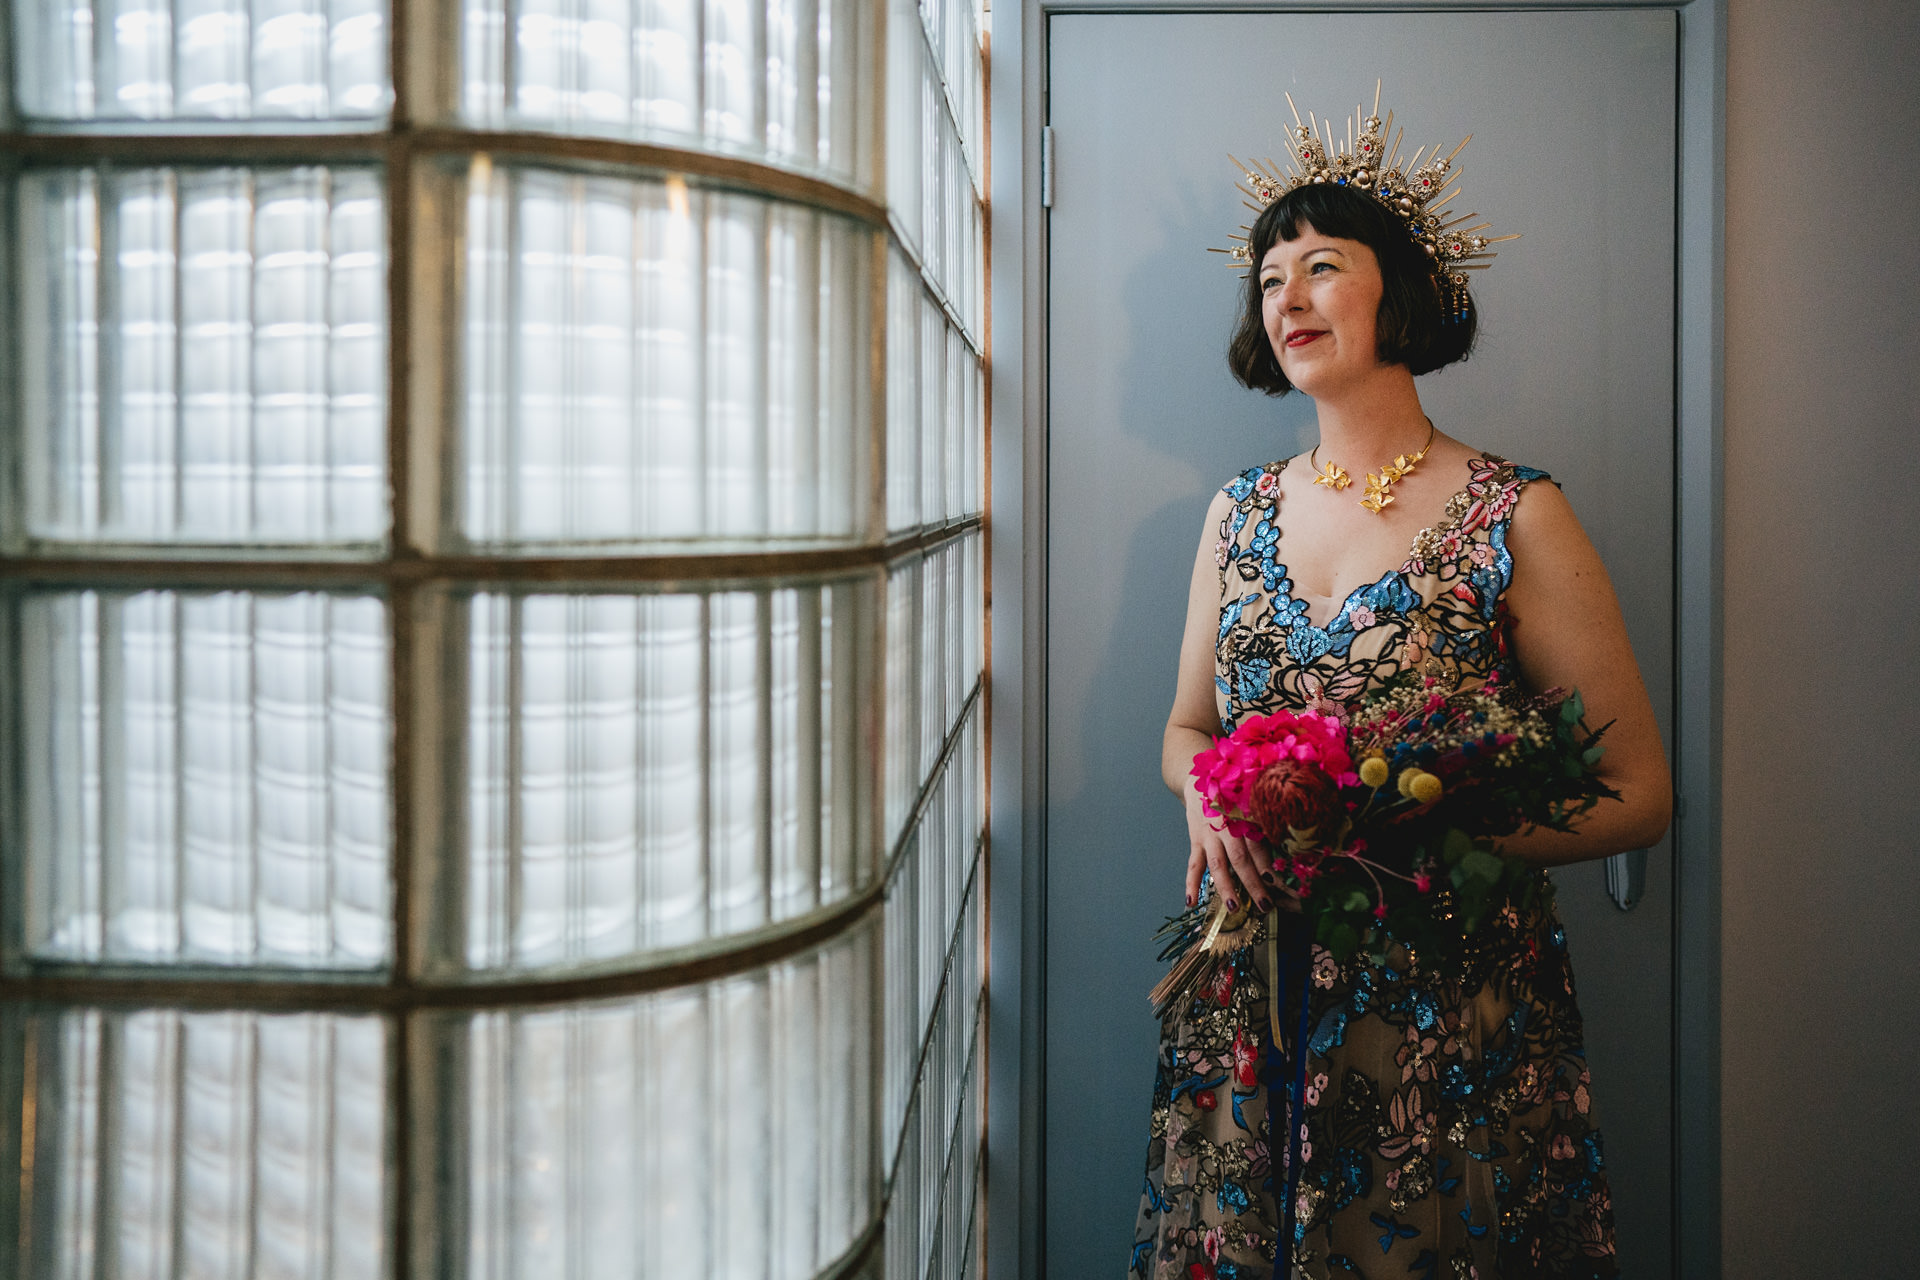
x=1412 y=330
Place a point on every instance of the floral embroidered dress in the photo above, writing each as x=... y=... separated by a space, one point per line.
x=1445 y=1131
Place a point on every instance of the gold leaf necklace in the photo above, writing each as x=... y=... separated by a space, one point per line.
x=1335 y=477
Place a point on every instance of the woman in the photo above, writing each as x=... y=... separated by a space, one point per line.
x=1444 y=1130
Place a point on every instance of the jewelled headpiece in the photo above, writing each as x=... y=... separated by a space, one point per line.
x=1416 y=192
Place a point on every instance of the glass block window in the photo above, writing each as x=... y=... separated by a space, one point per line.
x=492 y=749
x=935 y=647
x=651 y=361
x=169 y=1143
x=936 y=408
x=934 y=998
x=150 y=61
x=782 y=80
x=719 y=1129
x=647 y=772
x=204 y=356
x=206 y=778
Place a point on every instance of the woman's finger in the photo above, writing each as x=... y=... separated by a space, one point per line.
x=1240 y=855
x=1196 y=867
x=1225 y=883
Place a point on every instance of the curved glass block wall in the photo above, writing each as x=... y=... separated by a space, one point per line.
x=492 y=597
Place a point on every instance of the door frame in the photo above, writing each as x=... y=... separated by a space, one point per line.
x=1018 y=59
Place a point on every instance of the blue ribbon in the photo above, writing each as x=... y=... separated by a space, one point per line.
x=1294 y=954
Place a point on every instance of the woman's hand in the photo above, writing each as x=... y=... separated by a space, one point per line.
x=1242 y=869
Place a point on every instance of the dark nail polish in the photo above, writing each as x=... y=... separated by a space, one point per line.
x=1268 y=877
x=1189 y=899
x=1232 y=904
x=1265 y=905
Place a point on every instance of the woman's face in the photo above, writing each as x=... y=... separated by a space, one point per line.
x=1320 y=300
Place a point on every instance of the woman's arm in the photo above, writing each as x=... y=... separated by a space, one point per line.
x=1567 y=632
x=1239 y=866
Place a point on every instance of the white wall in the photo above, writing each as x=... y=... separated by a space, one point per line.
x=1821 y=846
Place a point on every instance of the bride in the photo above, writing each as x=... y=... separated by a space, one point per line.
x=1445 y=1129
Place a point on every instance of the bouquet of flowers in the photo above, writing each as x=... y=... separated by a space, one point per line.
x=1382 y=822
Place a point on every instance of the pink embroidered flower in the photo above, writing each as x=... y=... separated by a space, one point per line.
x=1211 y=1243
x=1266 y=484
x=1562 y=1147
x=1415 y=1058
x=1481 y=554
x=1362 y=617
x=1220 y=553
x=1325 y=969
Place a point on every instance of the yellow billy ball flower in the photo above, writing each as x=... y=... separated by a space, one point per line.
x=1425 y=788
x=1405 y=782
x=1373 y=771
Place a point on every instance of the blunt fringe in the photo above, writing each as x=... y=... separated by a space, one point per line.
x=1412 y=328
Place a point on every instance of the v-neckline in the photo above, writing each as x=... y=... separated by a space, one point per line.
x=1301 y=618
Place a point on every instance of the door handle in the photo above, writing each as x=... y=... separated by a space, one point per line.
x=1627 y=878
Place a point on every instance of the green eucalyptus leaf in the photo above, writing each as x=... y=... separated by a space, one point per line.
x=1481 y=865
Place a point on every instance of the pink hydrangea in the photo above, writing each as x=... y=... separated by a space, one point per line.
x=1226 y=772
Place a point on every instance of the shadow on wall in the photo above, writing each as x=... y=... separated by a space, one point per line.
x=1146 y=424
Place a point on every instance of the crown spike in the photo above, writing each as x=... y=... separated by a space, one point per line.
x=1420 y=190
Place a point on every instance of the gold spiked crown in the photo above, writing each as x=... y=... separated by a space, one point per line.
x=1417 y=192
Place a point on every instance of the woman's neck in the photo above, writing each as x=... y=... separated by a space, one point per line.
x=1371 y=421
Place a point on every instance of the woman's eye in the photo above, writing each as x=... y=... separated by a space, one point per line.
x=1271 y=283
x=1315 y=268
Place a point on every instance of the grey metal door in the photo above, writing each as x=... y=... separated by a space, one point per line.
x=1573 y=121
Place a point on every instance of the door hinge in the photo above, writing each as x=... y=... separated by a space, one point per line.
x=1046 y=166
